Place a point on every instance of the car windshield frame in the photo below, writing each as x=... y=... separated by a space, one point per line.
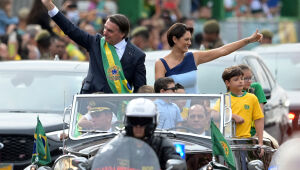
x=216 y=101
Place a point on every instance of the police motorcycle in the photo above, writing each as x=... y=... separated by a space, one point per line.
x=121 y=152
x=175 y=121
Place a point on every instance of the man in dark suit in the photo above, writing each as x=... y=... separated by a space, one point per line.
x=115 y=32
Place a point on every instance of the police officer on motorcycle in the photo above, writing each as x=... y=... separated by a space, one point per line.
x=140 y=122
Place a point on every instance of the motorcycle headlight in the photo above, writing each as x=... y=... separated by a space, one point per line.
x=64 y=162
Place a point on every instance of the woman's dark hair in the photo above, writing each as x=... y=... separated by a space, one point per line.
x=177 y=30
x=121 y=21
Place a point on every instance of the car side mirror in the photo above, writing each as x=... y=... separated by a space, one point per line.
x=267 y=93
x=214 y=165
x=176 y=164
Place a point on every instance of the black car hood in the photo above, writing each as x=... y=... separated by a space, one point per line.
x=25 y=123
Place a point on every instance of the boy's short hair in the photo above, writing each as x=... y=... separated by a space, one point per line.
x=146 y=89
x=179 y=86
x=162 y=83
x=244 y=67
x=232 y=72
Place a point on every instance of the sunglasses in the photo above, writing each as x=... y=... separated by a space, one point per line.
x=142 y=121
x=96 y=114
x=196 y=116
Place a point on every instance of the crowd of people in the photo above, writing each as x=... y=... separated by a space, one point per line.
x=252 y=8
x=116 y=56
x=33 y=35
x=116 y=64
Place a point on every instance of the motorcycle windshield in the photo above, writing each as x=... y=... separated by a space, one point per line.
x=124 y=152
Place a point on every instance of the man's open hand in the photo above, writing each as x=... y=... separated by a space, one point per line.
x=48 y=4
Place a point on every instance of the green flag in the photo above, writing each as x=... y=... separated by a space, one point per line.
x=220 y=145
x=41 y=152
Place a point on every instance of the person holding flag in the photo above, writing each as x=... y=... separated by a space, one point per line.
x=116 y=65
x=41 y=152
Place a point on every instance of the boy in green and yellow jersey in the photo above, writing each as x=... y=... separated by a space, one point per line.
x=245 y=106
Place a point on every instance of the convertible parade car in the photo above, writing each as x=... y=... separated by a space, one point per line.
x=84 y=143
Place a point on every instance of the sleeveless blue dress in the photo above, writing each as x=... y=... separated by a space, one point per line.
x=184 y=73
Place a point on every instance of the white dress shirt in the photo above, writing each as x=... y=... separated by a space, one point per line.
x=120 y=48
x=53 y=12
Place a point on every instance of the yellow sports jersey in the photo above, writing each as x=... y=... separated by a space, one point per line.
x=246 y=106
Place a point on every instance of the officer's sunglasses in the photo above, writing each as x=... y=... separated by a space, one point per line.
x=142 y=121
x=198 y=116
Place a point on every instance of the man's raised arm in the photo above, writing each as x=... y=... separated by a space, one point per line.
x=48 y=4
x=77 y=35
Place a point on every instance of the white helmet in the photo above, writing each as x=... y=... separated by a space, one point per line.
x=140 y=111
x=141 y=107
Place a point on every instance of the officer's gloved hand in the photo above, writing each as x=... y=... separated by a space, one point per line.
x=176 y=164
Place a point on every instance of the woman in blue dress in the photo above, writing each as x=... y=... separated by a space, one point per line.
x=181 y=65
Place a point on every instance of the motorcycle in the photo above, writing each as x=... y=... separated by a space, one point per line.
x=122 y=152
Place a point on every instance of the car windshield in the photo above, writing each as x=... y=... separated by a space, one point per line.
x=100 y=114
x=38 y=91
x=282 y=65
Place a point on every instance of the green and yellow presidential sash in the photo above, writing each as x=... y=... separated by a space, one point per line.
x=113 y=69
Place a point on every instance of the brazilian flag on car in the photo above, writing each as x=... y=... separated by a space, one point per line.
x=220 y=145
x=41 y=152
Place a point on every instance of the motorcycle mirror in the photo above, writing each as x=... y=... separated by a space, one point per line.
x=44 y=168
x=255 y=165
x=80 y=162
x=215 y=166
x=176 y=164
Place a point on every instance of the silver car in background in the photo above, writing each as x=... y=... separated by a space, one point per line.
x=283 y=60
x=29 y=89
x=210 y=82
